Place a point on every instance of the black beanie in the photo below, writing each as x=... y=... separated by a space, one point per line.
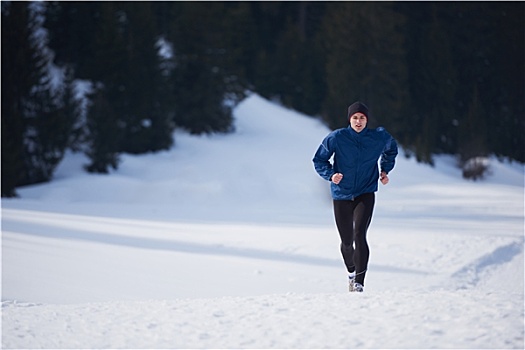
x=357 y=107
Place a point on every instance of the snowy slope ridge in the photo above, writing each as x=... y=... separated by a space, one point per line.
x=228 y=241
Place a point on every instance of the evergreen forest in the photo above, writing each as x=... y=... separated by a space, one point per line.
x=107 y=78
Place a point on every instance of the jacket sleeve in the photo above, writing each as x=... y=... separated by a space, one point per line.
x=388 y=157
x=322 y=158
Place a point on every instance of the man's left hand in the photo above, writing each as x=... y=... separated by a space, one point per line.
x=383 y=178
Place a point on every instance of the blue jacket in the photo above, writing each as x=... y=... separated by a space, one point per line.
x=355 y=156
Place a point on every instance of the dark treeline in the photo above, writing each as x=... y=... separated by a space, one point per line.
x=442 y=77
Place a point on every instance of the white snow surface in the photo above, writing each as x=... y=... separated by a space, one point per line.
x=228 y=241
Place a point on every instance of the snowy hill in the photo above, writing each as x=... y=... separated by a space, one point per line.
x=228 y=241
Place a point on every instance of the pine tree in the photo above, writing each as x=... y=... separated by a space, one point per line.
x=296 y=68
x=123 y=64
x=201 y=80
x=104 y=122
x=72 y=109
x=35 y=128
x=73 y=29
x=104 y=134
x=16 y=85
x=507 y=99
x=365 y=60
x=144 y=110
x=432 y=81
x=287 y=63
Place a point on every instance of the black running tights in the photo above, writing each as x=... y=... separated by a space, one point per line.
x=352 y=219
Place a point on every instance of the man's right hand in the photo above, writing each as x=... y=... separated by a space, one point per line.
x=336 y=178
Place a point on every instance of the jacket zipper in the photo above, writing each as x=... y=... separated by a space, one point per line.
x=358 y=139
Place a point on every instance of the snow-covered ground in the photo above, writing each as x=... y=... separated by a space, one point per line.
x=228 y=241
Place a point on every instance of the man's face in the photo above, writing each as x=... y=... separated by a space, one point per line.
x=358 y=121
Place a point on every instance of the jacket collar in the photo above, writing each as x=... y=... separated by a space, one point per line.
x=355 y=133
